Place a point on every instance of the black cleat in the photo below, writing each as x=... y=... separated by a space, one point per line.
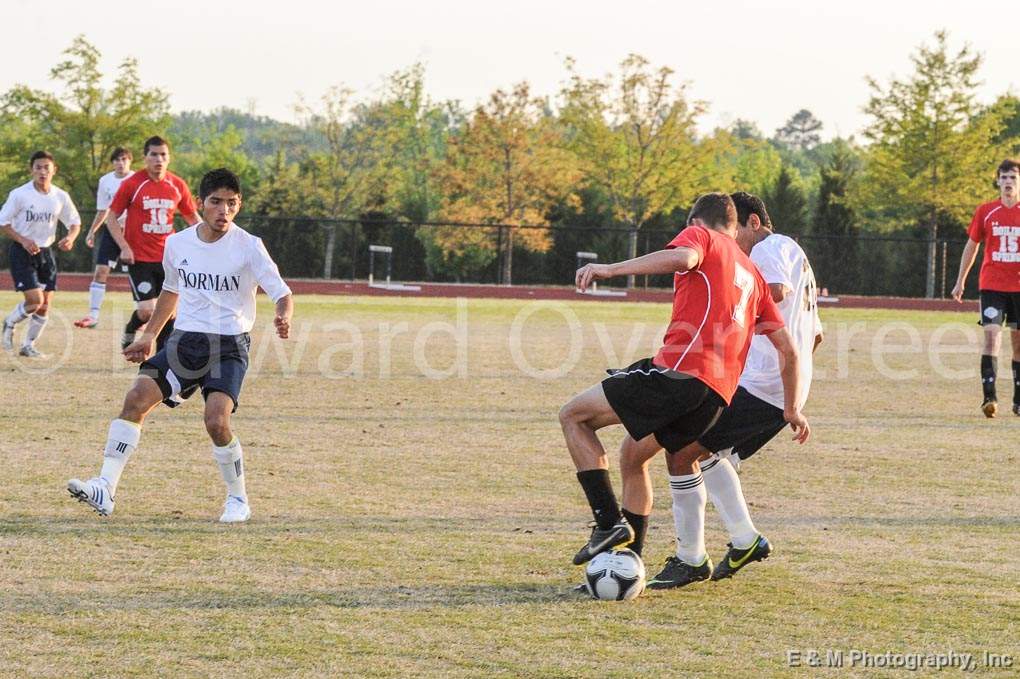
x=736 y=559
x=677 y=573
x=989 y=407
x=615 y=537
x=1016 y=408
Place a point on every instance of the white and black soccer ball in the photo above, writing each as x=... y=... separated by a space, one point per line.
x=618 y=575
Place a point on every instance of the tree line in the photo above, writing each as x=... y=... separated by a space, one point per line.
x=622 y=151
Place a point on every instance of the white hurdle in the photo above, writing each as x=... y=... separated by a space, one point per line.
x=591 y=257
x=387 y=252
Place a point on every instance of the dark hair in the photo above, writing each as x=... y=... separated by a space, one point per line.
x=748 y=204
x=1007 y=165
x=714 y=209
x=118 y=152
x=217 y=179
x=154 y=140
x=41 y=155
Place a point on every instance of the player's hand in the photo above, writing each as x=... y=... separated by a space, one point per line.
x=282 y=324
x=30 y=246
x=90 y=240
x=127 y=255
x=957 y=292
x=799 y=424
x=65 y=244
x=589 y=273
x=140 y=349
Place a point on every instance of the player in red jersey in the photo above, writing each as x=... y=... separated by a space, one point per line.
x=149 y=198
x=719 y=301
x=997 y=225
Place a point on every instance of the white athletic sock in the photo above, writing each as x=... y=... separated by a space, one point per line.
x=35 y=327
x=18 y=315
x=689 y=497
x=96 y=292
x=723 y=486
x=229 y=459
x=121 y=441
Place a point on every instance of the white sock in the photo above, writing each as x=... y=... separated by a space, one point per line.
x=229 y=459
x=96 y=292
x=35 y=327
x=723 y=486
x=18 y=315
x=689 y=500
x=121 y=441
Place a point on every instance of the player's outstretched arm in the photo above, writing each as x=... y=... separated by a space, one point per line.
x=284 y=311
x=966 y=262
x=782 y=340
x=675 y=260
x=141 y=348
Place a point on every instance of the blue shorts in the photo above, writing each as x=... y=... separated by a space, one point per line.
x=31 y=272
x=107 y=250
x=193 y=360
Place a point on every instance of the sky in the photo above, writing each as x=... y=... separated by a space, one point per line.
x=759 y=61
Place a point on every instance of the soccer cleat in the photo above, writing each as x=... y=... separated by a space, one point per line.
x=87 y=322
x=989 y=407
x=614 y=537
x=235 y=510
x=8 y=337
x=95 y=493
x=29 y=351
x=1016 y=408
x=677 y=573
x=126 y=340
x=736 y=559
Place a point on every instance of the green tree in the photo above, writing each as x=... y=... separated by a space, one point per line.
x=787 y=203
x=835 y=253
x=801 y=131
x=84 y=122
x=635 y=136
x=933 y=146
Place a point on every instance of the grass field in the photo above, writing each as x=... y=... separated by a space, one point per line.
x=417 y=519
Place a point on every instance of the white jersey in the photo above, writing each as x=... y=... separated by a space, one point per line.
x=34 y=215
x=108 y=185
x=781 y=260
x=217 y=281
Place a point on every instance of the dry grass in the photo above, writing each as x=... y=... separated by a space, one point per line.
x=412 y=526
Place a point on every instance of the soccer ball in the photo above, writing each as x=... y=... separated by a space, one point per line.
x=618 y=575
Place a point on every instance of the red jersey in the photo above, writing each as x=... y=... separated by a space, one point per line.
x=150 y=209
x=717 y=307
x=998 y=227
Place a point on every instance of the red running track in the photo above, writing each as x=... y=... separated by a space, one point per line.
x=78 y=282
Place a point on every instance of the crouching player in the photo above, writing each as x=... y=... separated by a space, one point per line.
x=212 y=272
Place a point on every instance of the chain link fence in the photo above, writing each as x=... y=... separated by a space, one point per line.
x=307 y=247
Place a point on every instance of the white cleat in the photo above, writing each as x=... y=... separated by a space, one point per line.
x=28 y=351
x=235 y=510
x=8 y=337
x=95 y=493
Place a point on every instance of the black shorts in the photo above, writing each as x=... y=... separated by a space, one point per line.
x=193 y=360
x=31 y=272
x=747 y=424
x=675 y=407
x=146 y=280
x=107 y=250
x=1000 y=307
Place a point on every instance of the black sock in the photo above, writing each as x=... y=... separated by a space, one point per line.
x=600 y=496
x=988 y=376
x=133 y=323
x=1016 y=382
x=639 y=523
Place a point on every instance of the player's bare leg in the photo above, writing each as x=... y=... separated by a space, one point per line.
x=580 y=418
x=635 y=457
x=22 y=312
x=122 y=440
x=228 y=456
x=989 y=358
x=140 y=316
